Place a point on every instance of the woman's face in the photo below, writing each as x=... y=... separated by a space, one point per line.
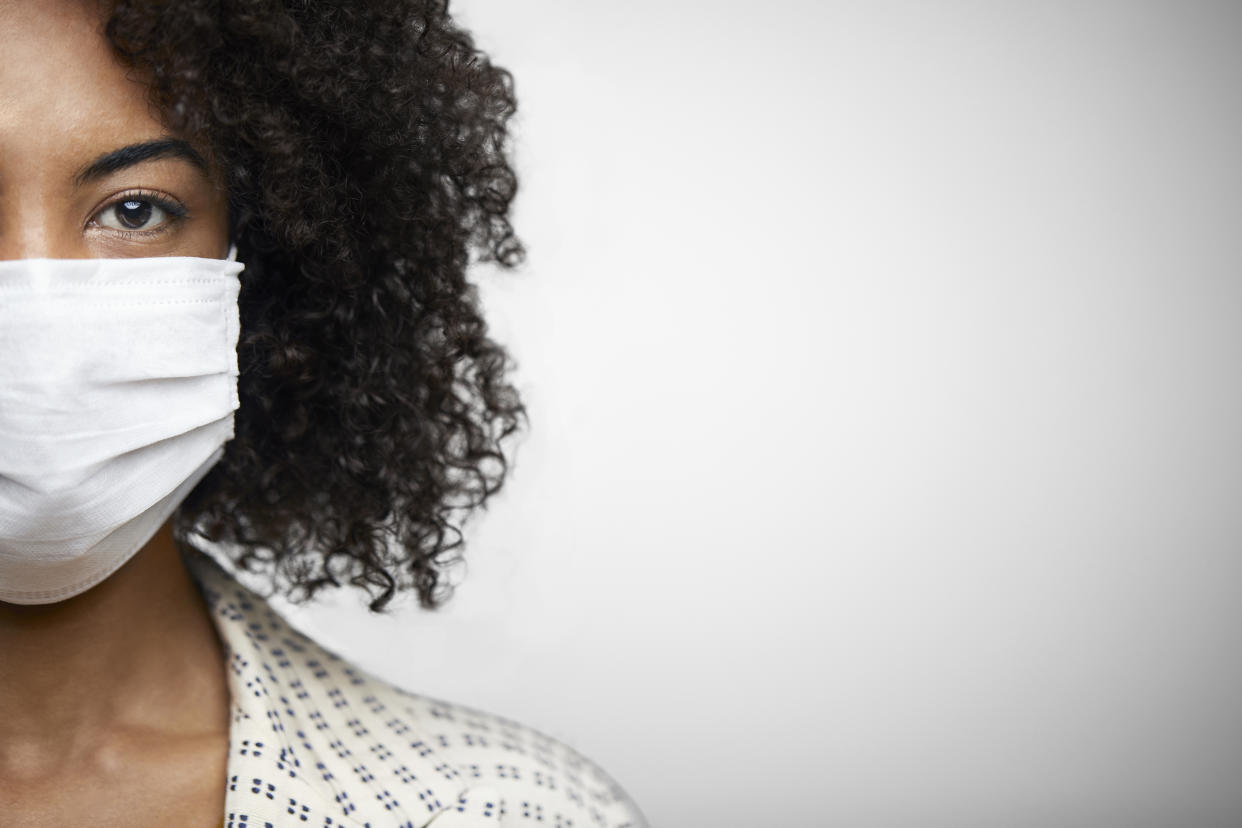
x=87 y=170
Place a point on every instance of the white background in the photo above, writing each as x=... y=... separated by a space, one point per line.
x=882 y=363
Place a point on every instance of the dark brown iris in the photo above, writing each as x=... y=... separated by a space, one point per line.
x=133 y=213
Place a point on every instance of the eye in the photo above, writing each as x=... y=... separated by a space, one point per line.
x=138 y=212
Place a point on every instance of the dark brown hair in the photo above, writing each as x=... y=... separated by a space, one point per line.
x=364 y=145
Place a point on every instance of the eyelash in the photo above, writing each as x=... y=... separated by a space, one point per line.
x=175 y=211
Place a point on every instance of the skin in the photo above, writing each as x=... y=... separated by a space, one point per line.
x=114 y=704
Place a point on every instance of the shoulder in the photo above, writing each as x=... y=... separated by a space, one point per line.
x=534 y=778
x=315 y=731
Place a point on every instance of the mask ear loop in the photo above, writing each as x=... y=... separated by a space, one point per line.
x=232 y=257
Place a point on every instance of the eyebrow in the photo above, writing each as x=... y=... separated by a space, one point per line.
x=132 y=154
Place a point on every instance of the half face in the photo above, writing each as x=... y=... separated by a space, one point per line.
x=87 y=169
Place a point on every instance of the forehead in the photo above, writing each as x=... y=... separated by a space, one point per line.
x=63 y=93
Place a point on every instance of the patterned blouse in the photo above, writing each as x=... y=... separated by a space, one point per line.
x=316 y=741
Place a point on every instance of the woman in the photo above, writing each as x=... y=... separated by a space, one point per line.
x=233 y=239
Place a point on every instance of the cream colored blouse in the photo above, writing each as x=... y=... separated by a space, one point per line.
x=317 y=741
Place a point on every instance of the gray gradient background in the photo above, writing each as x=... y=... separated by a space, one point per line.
x=886 y=460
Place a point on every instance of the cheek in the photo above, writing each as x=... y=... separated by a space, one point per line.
x=206 y=233
x=215 y=227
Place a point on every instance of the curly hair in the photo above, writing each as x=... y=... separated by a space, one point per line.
x=364 y=146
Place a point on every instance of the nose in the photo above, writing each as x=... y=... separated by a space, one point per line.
x=35 y=239
x=37 y=223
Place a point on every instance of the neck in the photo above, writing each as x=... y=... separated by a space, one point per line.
x=135 y=653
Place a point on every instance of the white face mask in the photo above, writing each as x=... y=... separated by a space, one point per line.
x=118 y=383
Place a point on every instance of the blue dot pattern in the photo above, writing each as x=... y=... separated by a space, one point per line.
x=317 y=741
